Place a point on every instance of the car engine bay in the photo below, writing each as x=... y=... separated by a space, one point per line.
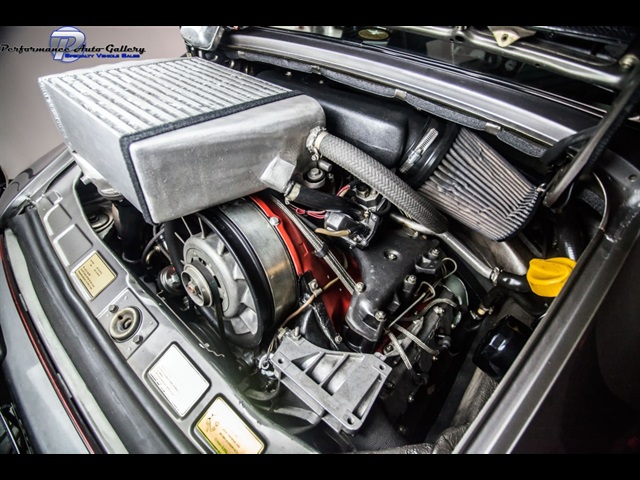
x=363 y=271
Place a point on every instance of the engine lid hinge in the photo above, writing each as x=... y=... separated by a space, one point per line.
x=205 y=37
x=505 y=36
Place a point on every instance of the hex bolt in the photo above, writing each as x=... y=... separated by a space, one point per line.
x=338 y=339
x=137 y=339
x=380 y=316
x=275 y=221
x=113 y=308
x=411 y=279
x=360 y=287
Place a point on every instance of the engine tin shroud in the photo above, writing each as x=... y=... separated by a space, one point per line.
x=157 y=131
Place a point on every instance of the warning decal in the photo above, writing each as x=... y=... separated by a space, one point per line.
x=94 y=274
x=226 y=431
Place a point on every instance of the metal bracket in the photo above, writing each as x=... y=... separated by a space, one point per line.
x=202 y=37
x=339 y=387
x=505 y=36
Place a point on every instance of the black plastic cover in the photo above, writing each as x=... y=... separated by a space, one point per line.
x=381 y=128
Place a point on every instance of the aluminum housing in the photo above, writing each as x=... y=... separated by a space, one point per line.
x=176 y=136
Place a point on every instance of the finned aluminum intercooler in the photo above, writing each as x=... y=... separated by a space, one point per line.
x=179 y=135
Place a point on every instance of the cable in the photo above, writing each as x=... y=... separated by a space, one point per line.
x=448 y=274
x=321 y=248
x=400 y=350
x=8 y=420
x=307 y=302
x=416 y=340
x=435 y=302
x=333 y=233
x=415 y=302
x=343 y=191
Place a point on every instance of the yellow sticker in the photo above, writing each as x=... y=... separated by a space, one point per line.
x=226 y=431
x=94 y=274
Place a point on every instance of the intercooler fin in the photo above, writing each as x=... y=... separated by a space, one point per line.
x=479 y=188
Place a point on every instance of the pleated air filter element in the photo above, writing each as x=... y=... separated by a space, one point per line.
x=477 y=187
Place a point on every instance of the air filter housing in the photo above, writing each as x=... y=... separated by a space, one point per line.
x=179 y=135
x=476 y=186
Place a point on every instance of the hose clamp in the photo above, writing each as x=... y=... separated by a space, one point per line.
x=495 y=273
x=314 y=139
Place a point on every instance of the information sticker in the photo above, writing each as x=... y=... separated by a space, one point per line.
x=178 y=380
x=226 y=431
x=94 y=274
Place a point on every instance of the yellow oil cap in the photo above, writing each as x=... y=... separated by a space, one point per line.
x=547 y=277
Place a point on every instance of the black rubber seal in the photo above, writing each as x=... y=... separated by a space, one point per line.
x=141 y=423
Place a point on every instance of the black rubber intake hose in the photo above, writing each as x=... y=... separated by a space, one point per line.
x=514 y=282
x=569 y=238
x=377 y=176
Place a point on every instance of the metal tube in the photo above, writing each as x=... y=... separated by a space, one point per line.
x=593 y=148
x=467 y=255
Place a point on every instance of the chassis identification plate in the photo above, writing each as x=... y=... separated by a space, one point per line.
x=226 y=431
x=94 y=274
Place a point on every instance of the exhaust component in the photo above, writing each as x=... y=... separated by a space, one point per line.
x=180 y=135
